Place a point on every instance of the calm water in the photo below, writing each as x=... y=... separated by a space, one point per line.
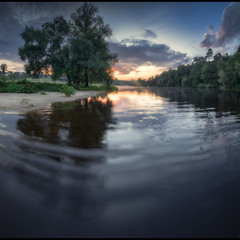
x=137 y=163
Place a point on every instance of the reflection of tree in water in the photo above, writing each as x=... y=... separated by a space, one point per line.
x=220 y=111
x=219 y=101
x=80 y=123
x=69 y=184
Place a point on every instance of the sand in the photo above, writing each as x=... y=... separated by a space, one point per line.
x=22 y=102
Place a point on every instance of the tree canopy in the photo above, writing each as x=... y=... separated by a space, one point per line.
x=210 y=71
x=77 y=49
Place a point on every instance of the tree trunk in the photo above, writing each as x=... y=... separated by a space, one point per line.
x=86 y=76
x=69 y=80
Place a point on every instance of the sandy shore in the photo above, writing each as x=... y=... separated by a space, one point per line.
x=23 y=102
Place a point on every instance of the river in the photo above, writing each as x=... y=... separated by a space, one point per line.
x=142 y=162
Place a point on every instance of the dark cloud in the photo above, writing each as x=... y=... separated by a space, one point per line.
x=15 y=16
x=9 y=26
x=149 y=34
x=229 y=28
x=133 y=53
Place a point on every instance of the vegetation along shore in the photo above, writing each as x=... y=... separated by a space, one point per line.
x=72 y=57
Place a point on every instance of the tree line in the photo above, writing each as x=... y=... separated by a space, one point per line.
x=210 y=71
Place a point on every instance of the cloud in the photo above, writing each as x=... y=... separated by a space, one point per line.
x=229 y=28
x=209 y=38
x=15 y=16
x=133 y=53
x=125 y=68
x=149 y=34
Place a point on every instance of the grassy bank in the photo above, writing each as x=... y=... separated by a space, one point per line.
x=26 y=86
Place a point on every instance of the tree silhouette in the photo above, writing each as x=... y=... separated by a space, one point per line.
x=4 y=68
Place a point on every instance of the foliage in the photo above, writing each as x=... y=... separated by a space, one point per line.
x=209 y=71
x=3 y=78
x=2 y=83
x=25 y=86
x=97 y=87
x=68 y=90
x=76 y=49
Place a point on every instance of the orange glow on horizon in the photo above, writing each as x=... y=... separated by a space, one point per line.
x=143 y=72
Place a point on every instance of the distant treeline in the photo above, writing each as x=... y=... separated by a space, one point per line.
x=139 y=82
x=209 y=71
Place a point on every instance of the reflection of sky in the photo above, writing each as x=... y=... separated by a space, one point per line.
x=148 y=120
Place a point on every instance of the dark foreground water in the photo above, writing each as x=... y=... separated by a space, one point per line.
x=137 y=163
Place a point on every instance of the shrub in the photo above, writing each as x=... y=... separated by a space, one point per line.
x=98 y=87
x=68 y=90
x=13 y=88
x=23 y=81
x=3 y=78
x=3 y=83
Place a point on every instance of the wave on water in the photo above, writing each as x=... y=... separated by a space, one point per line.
x=45 y=161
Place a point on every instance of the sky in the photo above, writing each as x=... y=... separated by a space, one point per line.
x=149 y=37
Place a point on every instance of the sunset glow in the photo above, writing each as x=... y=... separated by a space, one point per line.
x=148 y=37
x=143 y=72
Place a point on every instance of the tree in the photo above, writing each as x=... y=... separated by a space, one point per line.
x=209 y=54
x=90 y=49
x=217 y=57
x=209 y=73
x=4 y=68
x=195 y=74
x=199 y=60
x=77 y=49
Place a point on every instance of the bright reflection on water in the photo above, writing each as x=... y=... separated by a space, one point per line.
x=137 y=163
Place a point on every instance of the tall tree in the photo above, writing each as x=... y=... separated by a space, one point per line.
x=4 y=68
x=209 y=54
x=77 y=49
x=90 y=50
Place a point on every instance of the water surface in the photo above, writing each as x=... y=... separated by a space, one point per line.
x=143 y=162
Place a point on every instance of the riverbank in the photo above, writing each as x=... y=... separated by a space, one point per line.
x=22 y=102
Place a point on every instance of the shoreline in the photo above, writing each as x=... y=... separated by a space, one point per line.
x=22 y=102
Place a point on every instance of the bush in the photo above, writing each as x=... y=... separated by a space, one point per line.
x=13 y=88
x=98 y=87
x=3 y=78
x=23 y=81
x=68 y=90
x=3 y=83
